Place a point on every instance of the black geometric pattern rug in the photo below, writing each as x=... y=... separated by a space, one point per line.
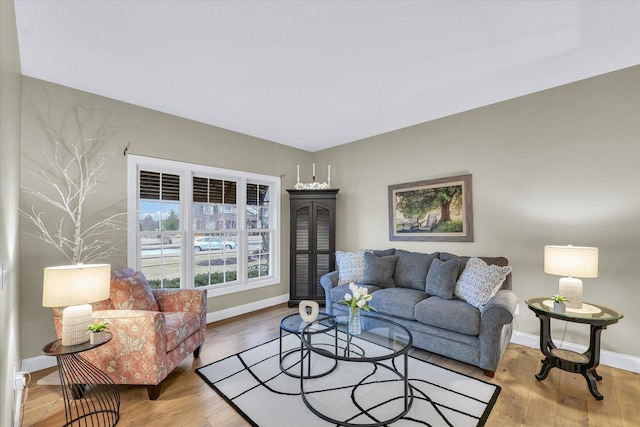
x=357 y=393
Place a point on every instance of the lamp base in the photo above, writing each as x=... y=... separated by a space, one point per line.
x=571 y=288
x=75 y=320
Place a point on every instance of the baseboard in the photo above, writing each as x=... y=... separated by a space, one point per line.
x=39 y=363
x=608 y=358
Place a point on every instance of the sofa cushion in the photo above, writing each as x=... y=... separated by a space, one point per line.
x=479 y=282
x=453 y=315
x=179 y=325
x=411 y=269
x=378 y=270
x=337 y=294
x=441 y=278
x=398 y=302
x=132 y=293
x=350 y=266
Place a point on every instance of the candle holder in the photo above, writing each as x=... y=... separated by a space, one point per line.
x=313 y=185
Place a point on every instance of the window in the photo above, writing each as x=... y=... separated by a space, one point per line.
x=203 y=227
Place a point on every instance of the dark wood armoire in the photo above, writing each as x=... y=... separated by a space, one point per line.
x=313 y=242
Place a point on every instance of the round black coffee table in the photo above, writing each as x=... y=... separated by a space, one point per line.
x=370 y=386
x=294 y=324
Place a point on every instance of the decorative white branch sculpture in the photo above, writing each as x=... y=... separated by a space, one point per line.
x=72 y=177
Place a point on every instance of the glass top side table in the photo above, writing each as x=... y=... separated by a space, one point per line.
x=90 y=396
x=598 y=317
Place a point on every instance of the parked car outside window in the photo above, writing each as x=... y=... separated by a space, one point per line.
x=213 y=242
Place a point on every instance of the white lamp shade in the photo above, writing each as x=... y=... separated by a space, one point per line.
x=572 y=261
x=67 y=285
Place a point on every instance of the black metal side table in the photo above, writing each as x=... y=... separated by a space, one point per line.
x=597 y=317
x=90 y=396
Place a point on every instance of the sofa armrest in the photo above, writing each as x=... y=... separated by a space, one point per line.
x=499 y=310
x=328 y=282
x=193 y=300
x=496 y=328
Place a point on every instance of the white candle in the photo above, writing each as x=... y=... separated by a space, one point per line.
x=314 y=169
x=298 y=175
x=329 y=176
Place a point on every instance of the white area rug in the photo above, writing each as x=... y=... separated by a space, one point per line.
x=252 y=382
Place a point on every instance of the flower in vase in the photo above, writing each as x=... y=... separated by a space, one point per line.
x=358 y=298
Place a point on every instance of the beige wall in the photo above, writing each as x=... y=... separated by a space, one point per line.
x=148 y=133
x=10 y=102
x=556 y=167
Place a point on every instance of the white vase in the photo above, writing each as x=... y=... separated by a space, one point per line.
x=559 y=307
x=96 y=337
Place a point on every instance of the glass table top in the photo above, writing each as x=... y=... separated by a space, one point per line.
x=590 y=313
x=380 y=339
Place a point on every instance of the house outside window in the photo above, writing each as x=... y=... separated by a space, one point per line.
x=202 y=227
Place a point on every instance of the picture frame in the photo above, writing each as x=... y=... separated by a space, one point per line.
x=435 y=210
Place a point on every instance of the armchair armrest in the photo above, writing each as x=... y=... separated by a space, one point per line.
x=135 y=333
x=193 y=300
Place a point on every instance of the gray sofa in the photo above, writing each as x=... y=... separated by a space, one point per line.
x=439 y=323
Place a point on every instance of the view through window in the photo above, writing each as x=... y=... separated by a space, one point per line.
x=199 y=226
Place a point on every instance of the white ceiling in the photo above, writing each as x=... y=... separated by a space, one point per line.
x=316 y=74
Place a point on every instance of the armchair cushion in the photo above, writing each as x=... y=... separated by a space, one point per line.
x=132 y=293
x=179 y=325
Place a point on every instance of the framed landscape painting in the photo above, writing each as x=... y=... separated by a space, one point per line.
x=437 y=210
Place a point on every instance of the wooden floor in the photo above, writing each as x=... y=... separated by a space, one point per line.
x=561 y=400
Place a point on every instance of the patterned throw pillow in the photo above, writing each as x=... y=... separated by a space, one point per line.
x=133 y=293
x=479 y=282
x=350 y=266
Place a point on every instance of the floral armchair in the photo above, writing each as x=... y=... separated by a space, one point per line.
x=153 y=330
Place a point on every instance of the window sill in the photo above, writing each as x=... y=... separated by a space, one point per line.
x=219 y=290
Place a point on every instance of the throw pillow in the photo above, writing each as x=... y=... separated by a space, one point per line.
x=379 y=270
x=350 y=266
x=411 y=269
x=133 y=293
x=479 y=282
x=384 y=252
x=441 y=278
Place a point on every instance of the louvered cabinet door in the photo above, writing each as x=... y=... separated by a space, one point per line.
x=313 y=237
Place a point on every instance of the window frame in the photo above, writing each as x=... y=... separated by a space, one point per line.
x=187 y=171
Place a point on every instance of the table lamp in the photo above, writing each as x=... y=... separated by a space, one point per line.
x=574 y=262
x=75 y=287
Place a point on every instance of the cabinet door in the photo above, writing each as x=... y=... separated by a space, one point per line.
x=303 y=250
x=322 y=250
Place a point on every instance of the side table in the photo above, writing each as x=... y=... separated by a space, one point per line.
x=597 y=317
x=90 y=396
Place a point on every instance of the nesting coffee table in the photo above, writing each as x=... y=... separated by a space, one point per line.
x=294 y=324
x=371 y=353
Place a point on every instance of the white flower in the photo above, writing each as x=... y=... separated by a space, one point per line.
x=353 y=288
x=347 y=296
x=361 y=303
